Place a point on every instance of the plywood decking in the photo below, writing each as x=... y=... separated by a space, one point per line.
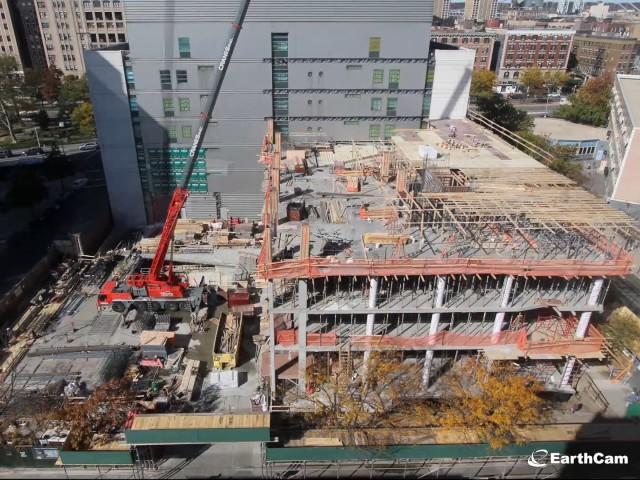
x=200 y=421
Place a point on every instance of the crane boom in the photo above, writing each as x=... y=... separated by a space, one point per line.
x=181 y=192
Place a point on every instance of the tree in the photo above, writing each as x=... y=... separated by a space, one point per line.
x=622 y=329
x=556 y=80
x=498 y=109
x=563 y=156
x=532 y=79
x=590 y=104
x=32 y=81
x=104 y=412
x=42 y=119
x=74 y=90
x=9 y=94
x=482 y=82
x=492 y=402
x=390 y=392
x=51 y=83
x=82 y=118
x=26 y=188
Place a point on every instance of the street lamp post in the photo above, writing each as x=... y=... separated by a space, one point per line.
x=35 y=129
x=546 y=107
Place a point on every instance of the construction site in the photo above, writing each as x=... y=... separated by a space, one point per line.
x=206 y=345
x=441 y=243
x=438 y=245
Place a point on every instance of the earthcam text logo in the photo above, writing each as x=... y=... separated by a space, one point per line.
x=541 y=458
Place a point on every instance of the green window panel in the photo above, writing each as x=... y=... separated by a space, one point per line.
x=280 y=77
x=376 y=104
x=280 y=45
x=394 y=78
x=186 y=131
x=378 y=76
x=184 y=47
x=374 y=131
x=392 y=107
x=389 y=130
x=172 y=134
x=185 y=104
x=168 y=107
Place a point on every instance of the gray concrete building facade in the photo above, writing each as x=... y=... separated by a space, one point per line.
x=325 y=70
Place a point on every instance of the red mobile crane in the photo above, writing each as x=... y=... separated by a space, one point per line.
x=162 y=289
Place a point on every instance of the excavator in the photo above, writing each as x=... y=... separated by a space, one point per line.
x=161 y=288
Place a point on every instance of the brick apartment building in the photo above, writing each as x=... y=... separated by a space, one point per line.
x=522 y=49
x=482 y=42
x=609 y=53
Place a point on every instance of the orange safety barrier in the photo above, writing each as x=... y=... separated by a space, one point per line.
x=332 y=267
x=290 y=337
x=565 y=346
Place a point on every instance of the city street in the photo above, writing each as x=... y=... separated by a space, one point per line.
x=537 y=109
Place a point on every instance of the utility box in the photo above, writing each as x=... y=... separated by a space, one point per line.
x=239 y=296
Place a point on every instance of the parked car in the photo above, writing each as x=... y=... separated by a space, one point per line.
x=554 y=95
x=564 y=101
x=33 y=151
x=5 y=153
x=89 y=146
x=78 y=183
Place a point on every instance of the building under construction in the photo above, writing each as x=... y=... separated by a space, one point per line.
x=439 y=243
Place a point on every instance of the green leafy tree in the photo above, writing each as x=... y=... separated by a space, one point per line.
x=32 y=81
x=10 y=86
x=74 y=91
x=532 y=79
x=482 y=82
x=590 y=104
x=82 y=118
x=563 y=156
x=26 y=188
x=500 y=110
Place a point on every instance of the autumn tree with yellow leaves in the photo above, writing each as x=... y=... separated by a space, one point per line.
x=491 y=401
x=390 y=393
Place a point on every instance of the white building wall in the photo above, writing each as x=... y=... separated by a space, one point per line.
x=108 y=90
x=451 y=83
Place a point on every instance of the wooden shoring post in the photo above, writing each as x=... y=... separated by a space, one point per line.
x=304 y=240
x=266 y=247
x=270 y=129
x=385 y=164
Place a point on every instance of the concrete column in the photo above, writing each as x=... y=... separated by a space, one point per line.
x=272 y=339
x=504 y=301
x=433 y=329
x=302 y=334
x=373 y=296
x=585 y=317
